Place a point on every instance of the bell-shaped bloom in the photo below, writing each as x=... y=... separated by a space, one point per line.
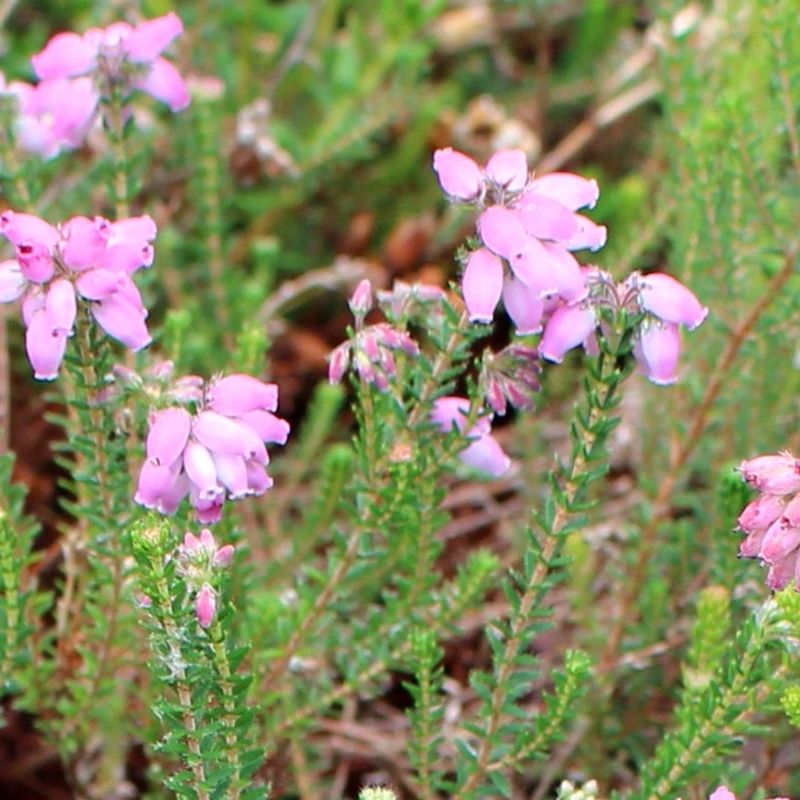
x=205 y=605
x=482 y=284
x=668 y=299
x=483 y=451
x=459 y=176
x=568 y=326
x=724 y=793
x=124 y=55
x=216 y=453
x=55 y=115
x=774 y=474
x=508 y=170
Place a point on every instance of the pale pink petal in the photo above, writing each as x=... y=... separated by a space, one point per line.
x=205 y=606
x=780 y=540
x=168 y=435
x=590 y=236
x=572 y=191
x=564 y=271
x=449 y=411
x=459 y=176
x=65 y=56
x=154 y=480
x=523 y=305
x=70 y=108
x=508 y=169
x=781 y=572
x=532 y=266
x=165 y=83
x=237 y=394
x=12 y=281
x=99 y=284
x=270 y=429
x=150 y=38
x=207 y=511
x=45 y=347
x=257 y=479
x=669 y=300
x=657 y=352
x=122 y=320
x=568 y=327
x=84 y=240
x=486 y=455
x=482 y=284
x=722 y=793
x=60 y=306
x=501 y=230
x=231 y=472
x=201 y=470
x=221 y=434
x=546 y=218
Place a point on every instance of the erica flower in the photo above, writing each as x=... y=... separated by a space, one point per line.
x=484 y=452
x=83 y=259
x=215 y=453
x=772 y=521
x=663 y=303
x=52 y=116
x=528 y=229
x=724 y=793
x=123 y=56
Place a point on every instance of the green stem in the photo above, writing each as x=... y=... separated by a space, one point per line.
x=232 y=743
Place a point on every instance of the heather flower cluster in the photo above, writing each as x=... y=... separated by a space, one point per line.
x=663 y=303
x=199 y=561
x=78 y=72
x=772 y=520
x=529 y=229
x=371 y=350
x=215 y=453
x=91 y=260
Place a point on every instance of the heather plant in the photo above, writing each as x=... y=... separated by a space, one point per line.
x=258 y=582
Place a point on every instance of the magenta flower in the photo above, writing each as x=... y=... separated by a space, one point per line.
x=665 y=303
x=215 y=453
x=772 y=521
x=528 y=229
x=205 y=605
x=52 y=116
x=87 y=259
x=120 y=55
x=483 y=452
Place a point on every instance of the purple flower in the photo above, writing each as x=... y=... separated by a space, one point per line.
x=483 y=451
x=215 y=453
x=87 y=259
x=528 y=229
x=120 y=55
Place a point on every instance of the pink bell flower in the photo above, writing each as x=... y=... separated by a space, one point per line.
x=724 y=793
x=483 y=453
x=774 y=474
x=86 y=259
x=530 y=225
x=120 y=54
x=205 y=606
x=216 y=453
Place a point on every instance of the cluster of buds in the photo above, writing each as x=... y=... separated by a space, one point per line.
x=528 y=230
x=371 y=349
x=198 y=562
x=77 y=71
x=511 y=376
x=772 y=521
x=87 y=259
x=661 y=303
x=216 y=452
x=483 y=452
